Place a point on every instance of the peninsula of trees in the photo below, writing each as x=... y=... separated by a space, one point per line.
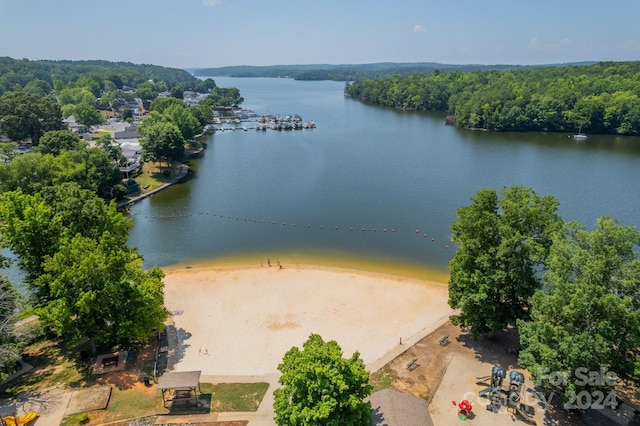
x=599 y=98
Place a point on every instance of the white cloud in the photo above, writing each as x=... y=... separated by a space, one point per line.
x=419 y=28
x=534 y=42
x=211 y=2
x=565 y=41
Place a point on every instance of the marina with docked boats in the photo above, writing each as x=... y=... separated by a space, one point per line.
x=244 y=119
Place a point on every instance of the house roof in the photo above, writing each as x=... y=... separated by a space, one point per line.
x=392 y=408
x=128 y=133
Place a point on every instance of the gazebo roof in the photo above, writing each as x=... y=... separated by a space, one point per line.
x=179 y=380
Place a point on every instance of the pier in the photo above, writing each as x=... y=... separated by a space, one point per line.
x=248 y=120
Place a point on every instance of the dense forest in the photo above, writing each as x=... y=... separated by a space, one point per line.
x=42 y=75
x=347 y=72
x=597 y=98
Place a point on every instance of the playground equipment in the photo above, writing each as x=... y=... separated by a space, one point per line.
x=19 y=421
x=464 y=410
x=510 y=397
x=494 y=391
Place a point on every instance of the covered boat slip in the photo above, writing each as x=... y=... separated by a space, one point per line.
x=180 y=386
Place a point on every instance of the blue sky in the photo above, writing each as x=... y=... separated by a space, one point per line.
x=214 y=33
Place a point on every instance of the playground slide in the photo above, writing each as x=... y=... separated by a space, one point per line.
x=485 y=391
x=525 y=416
x=18 y=421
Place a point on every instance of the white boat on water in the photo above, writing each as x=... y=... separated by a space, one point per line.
x=580 y=136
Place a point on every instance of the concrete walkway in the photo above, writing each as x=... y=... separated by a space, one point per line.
x=262 y=417
x=50 y=403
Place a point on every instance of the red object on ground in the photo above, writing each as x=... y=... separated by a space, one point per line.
x=464 y=405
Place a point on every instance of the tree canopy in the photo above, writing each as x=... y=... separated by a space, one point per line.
x=320 y=387
x=99 y=291
x=599 y=98
x=32 y=226
x=503 y=243
x=342 y=72
x=57 y=141
x=9 y=344
x=161 y=140
x=85 y=282
x=28 y=116
x=589 y=318
x=43 y=74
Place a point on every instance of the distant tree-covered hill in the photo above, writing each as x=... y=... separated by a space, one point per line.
x=42 y=74
x=348 y=72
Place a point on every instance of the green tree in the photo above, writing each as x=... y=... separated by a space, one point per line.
x=161 y=104
x=113 y=149
x=147 y=91
x=56 y=141
x=589 y=317
x=9 y=344
x=183 y=118
x=87 y=114
x=203 y=113
x=90 y=168
x=503 y=243
x=75 y=96
x=161 y=141
x=29 y=172
x=320 y=387
x=99 y=292
x=33 y=225
x=38 y=87
x=8 y=152
x=26 y=115
x=90 y=83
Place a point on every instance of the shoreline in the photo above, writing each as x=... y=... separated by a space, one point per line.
x=336 y=261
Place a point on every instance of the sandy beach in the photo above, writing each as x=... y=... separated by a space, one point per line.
x=241 y=320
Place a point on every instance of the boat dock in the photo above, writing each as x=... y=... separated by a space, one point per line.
x=251 y=121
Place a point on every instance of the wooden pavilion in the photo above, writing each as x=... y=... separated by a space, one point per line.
x=180 y=386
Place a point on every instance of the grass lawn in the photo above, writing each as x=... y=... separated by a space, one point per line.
x=235 y=396
x=142 y=402
x=152 y=176
x=53 y=363
x=130 y=398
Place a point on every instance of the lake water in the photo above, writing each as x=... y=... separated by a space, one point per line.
x=368 y=186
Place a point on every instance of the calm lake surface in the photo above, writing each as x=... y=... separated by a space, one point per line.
x=395 y=178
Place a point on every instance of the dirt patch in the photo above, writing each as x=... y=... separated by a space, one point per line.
x=90 y=399
x=432 y=360
x=137 y=367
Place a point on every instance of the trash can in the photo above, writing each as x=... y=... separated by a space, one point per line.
x=147 y=381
